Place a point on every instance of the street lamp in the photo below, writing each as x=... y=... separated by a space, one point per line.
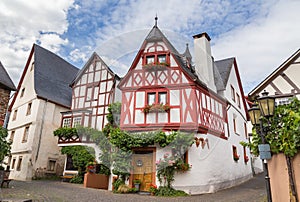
x=266 y=109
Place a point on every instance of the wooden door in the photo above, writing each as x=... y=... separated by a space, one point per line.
x=143 y=168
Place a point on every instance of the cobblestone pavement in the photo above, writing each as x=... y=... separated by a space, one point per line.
x=56 y=191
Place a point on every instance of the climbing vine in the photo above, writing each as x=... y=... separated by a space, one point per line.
x=285 y=127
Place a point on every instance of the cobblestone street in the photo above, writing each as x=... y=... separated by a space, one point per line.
x=56 y=191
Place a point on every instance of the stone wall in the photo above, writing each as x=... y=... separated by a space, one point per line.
x=4 y=99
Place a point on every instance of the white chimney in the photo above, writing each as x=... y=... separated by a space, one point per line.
x=203 y=60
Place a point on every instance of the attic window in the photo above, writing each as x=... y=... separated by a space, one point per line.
x=32 y=66
x=22 y=92
x=150 y=59
x=162 y=59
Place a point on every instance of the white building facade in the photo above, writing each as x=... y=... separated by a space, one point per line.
x=41 y=95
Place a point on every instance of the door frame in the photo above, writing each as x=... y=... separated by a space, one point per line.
x=153 y=149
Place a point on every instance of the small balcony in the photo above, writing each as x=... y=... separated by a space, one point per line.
x=71 y=136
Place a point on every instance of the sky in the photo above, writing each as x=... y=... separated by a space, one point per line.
x=260 y=34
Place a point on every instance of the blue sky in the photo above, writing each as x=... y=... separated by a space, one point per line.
x=260 y=34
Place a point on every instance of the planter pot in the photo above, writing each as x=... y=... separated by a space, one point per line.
x=137 y=186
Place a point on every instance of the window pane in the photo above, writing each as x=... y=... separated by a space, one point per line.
x=149 y=59
x=162 y=98
x=76 y=121
x=151 y=98
x=162 y=59
x=67 y=122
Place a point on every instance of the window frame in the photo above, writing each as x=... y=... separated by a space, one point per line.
x=19 y=164
x=25 y=134
x=238 y=99
x=156 y=56
x=15 y=115
x=232 y=90
x=157 y=97
x=29 y=107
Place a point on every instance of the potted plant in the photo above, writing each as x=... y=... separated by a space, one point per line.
x=137 y=183
x=153 y=189
x=90 y=168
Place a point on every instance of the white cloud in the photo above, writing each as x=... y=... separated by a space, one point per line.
x=26 y=22
x=262 y=45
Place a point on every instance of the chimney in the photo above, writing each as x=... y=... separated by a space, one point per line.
x=203 y=60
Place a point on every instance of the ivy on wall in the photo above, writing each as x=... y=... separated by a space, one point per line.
x=116 y=145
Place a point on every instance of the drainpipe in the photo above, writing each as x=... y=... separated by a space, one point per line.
x=41 y=131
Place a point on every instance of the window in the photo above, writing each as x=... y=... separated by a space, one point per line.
x=25 y=135
x=234 y=124
x=89 y=92
x=150 y=59
x=236 y=157
x=76 y=121
x=157 y=98
x=51 y=165
x=13 y=163
x=151 y=98
x=156 y=59
x=15 y=115
x=19 y=163
x=32 y=66
x=245 y=128
x=29 y=109
x=22 y=92
x=66 y=122
x=12 y=135
x=162 y=98
x=238 y=100
x=232 y=93
x=162 y=59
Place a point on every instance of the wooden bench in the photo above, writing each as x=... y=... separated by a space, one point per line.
x=4 y=178
x=67 y=177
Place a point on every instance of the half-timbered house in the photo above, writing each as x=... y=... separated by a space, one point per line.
x=164 y=90
x=93 y=89
x=42 y=93
x=283 y=83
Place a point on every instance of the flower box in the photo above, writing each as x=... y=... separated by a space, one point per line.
x=156 y=108
x=156 y=66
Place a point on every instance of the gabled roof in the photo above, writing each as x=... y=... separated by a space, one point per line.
x=87 y=64
x=156 y=35
x=5 y=80
x=274 y=74
x=52 y=76
x=222 y=70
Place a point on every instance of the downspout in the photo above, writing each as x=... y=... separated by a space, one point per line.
x=41 y=131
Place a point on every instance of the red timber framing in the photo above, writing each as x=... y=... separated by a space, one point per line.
x=196 y=109
x=92 y=92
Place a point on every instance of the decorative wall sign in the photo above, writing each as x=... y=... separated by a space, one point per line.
x=139 y=163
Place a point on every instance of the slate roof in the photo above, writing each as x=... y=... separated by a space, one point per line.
x=222 y=70
x=52 y=76
x=5 y=80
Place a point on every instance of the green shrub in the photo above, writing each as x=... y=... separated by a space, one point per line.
x=77 y=179
x=169 y=191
